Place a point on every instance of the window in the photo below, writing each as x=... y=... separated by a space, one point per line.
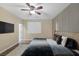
x=34 y=27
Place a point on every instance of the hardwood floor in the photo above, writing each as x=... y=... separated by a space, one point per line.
x=18 y=50
x=9 y=50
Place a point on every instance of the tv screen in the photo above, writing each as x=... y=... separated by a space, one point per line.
x=6 y=27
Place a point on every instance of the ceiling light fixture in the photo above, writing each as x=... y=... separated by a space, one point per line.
x=32 y=12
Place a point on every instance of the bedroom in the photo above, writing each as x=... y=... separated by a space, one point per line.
x=40 y=28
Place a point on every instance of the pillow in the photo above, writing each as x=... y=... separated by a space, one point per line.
x=64 y=39
x=55 y=37
x=59 y=39
x=71 y=43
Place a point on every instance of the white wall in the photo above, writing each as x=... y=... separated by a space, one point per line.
x=68 y=20
x=9 y=39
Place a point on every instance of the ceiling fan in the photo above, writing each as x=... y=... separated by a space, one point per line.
x=32 y=9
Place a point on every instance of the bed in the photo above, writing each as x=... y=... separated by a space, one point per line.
x=46 y=47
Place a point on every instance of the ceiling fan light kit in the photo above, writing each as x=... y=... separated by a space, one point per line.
x=32 y=12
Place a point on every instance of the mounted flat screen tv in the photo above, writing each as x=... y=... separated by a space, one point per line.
x=6 y=27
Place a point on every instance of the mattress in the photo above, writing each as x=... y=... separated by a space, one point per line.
x=46 y=48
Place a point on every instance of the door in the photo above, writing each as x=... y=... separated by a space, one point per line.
x=21 y=33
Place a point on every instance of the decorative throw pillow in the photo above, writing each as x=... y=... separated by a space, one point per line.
x=71 y=43
x=59 y=39
x=64 y=40
x=55 y=37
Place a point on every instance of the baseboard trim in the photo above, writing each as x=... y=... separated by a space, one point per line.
x=8 y=50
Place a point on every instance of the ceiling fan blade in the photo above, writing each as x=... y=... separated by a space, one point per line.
x=38 y=13
x=40 y=7
x=28 y=4
x=46 y=14
x=24 y=9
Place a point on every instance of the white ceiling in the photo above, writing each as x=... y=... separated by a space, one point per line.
x=49 y=11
